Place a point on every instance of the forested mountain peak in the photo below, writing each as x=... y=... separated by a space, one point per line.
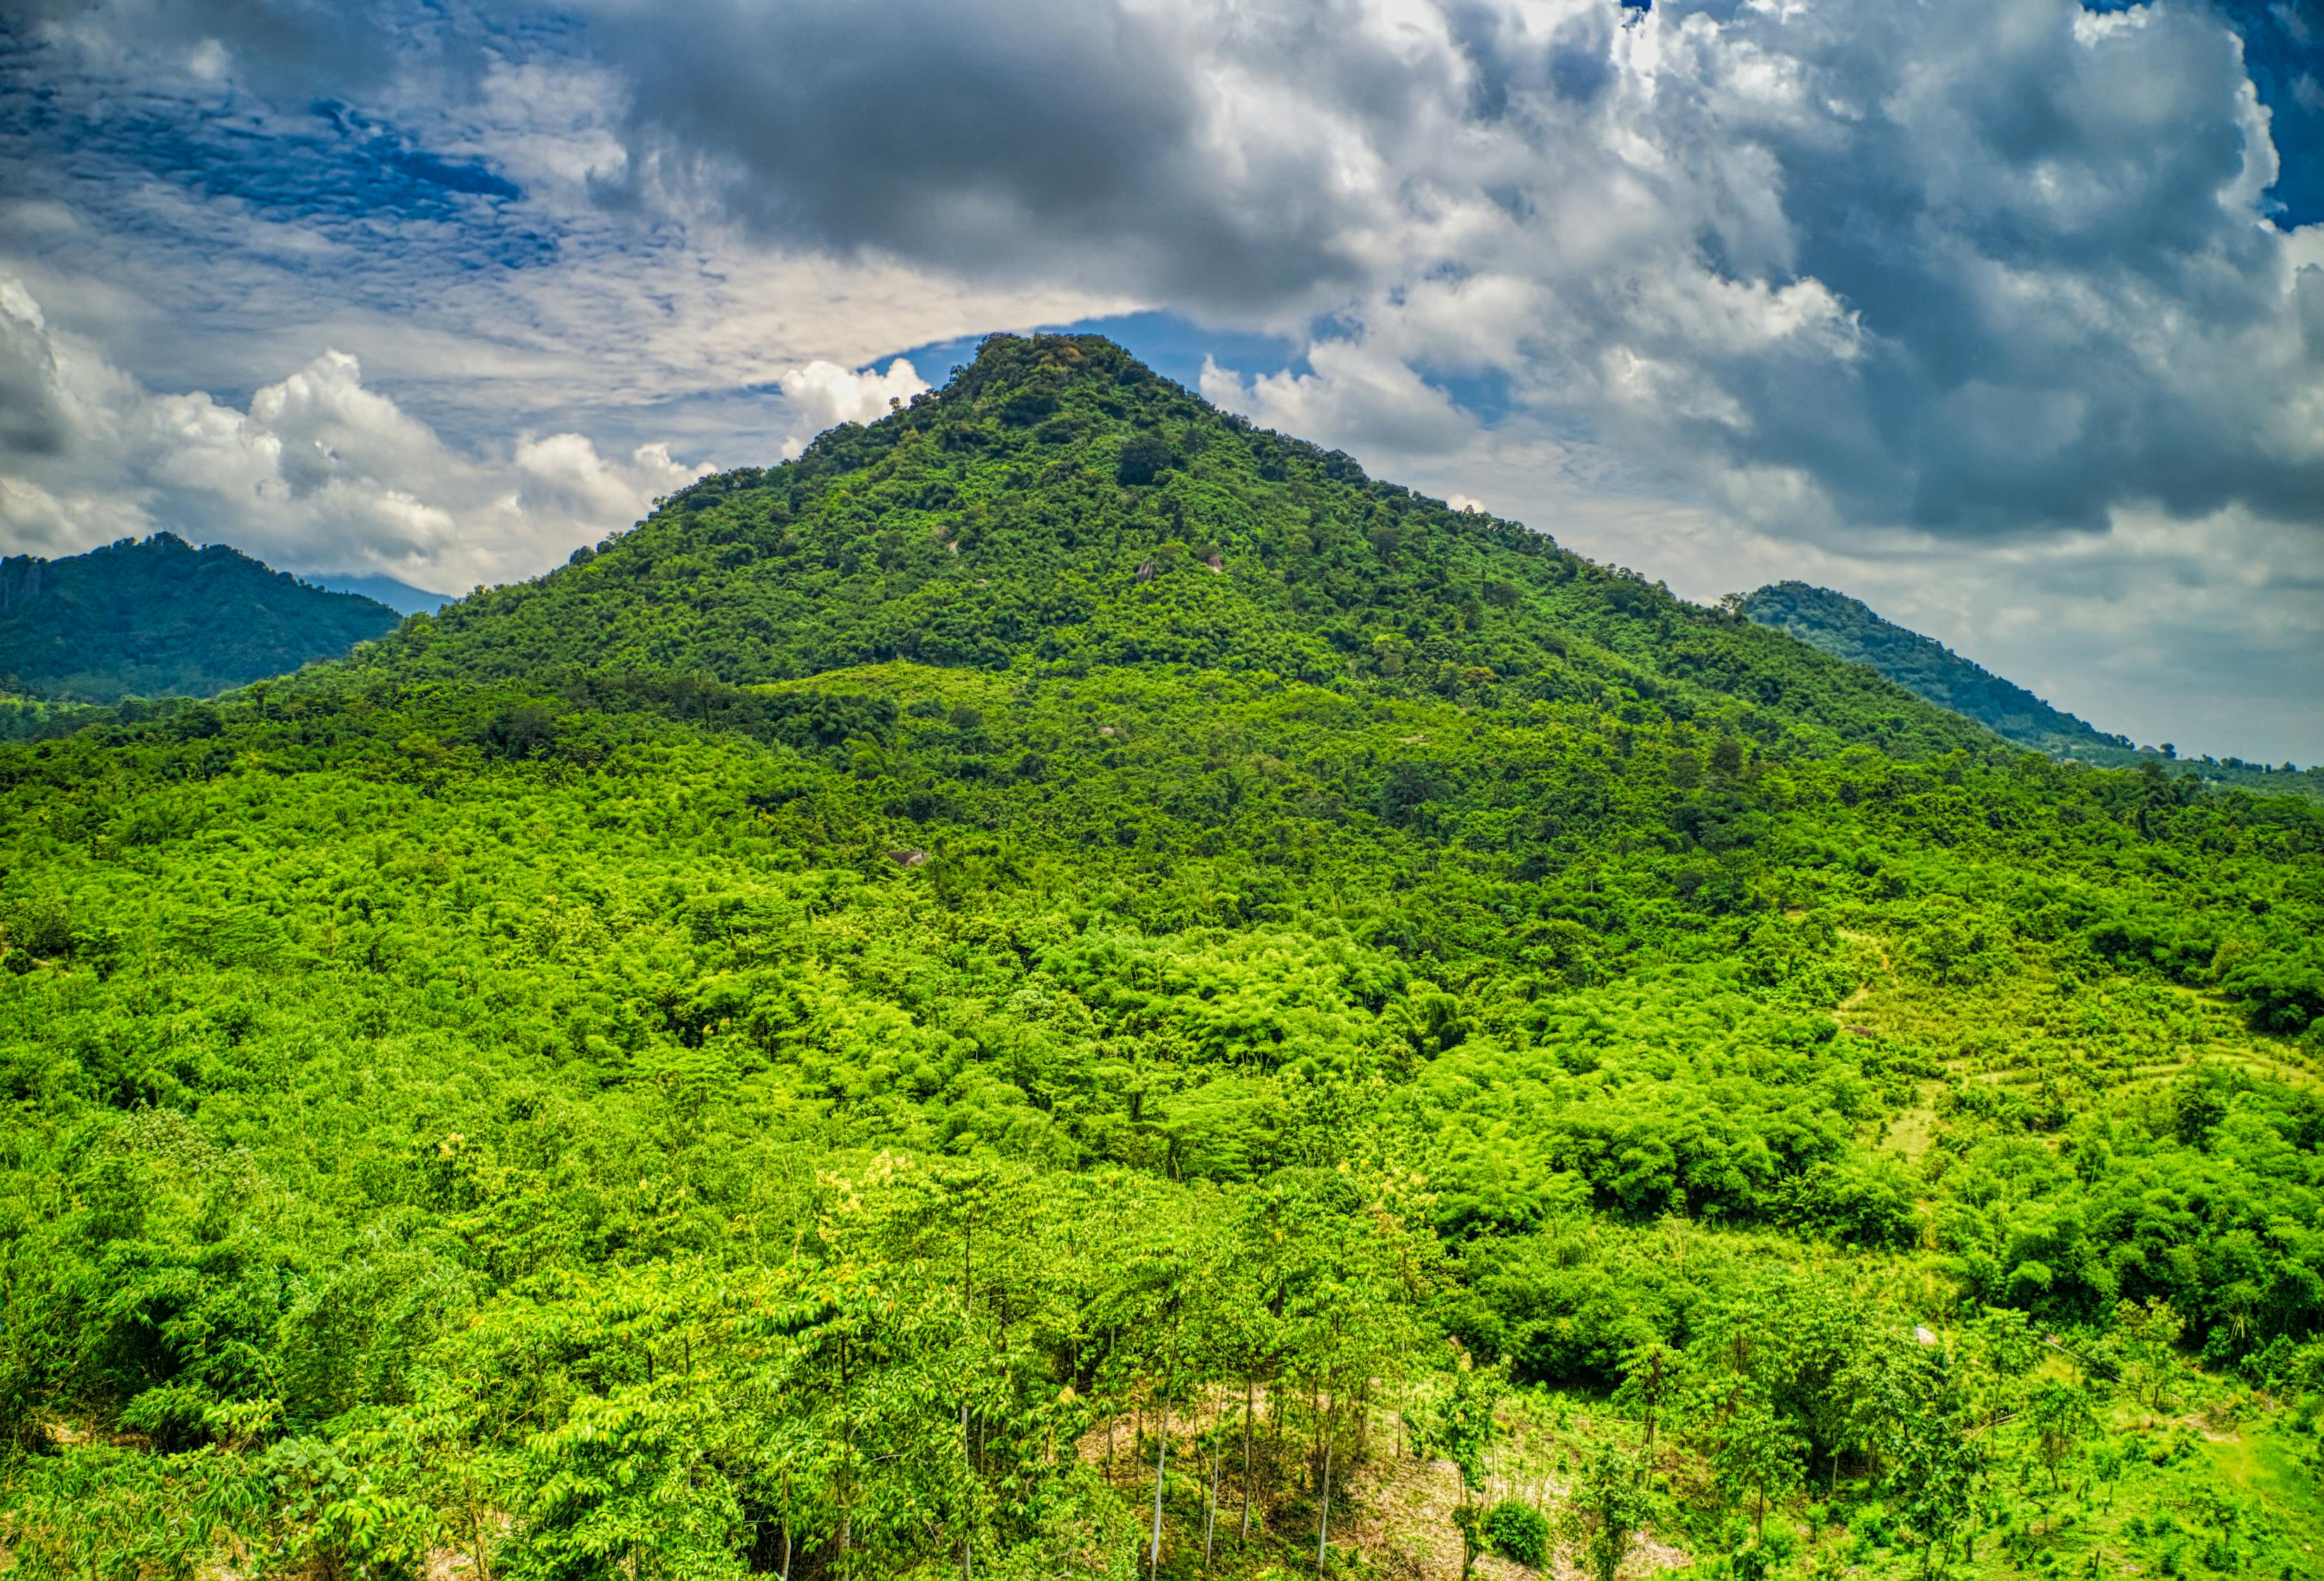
x=1059 y=507
x=162 y=616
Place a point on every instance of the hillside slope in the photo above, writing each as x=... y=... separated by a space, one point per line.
x=517 y=1103
x=1057 y=507
x=160 y=617
x=400 y=596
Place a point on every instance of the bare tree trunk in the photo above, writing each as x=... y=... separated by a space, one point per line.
x=1210 y=1514
x=846 y=1473
x=1315 y=1454
x=1250 y=1398
x=1275 y=1429
x=1161 y=1459
x=1323 y=1526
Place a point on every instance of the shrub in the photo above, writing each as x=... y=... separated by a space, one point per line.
x=1518 y=1531
x=172 y=1415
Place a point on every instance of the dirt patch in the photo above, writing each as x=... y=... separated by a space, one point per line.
x=1407 y=1527
x=1401 y=1520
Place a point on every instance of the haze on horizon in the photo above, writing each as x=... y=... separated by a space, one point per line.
x=2007 y=316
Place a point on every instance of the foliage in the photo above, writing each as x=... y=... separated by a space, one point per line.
x=545 y=1093
x=1845 y=628
x=1609 y=1504
x=162 y=616
x=1519 y=1531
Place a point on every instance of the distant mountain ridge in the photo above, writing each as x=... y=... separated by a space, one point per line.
x=160 y=617
x=1849 y=628
x=400 y=596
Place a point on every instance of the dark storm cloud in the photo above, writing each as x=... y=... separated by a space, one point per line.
x=1987 y=268
x=1056 y=136
x=2063 y=306
x=33 y=422
x=1980 y=269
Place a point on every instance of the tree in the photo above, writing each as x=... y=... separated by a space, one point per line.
x=1931 y=1466
x=1144 y=457
x=1889 y=1384
x=1727 y=756
x=1653 y=1376
x=1758 y=1455
x=2148 y=1335
x=1997 y=1352
x=2060 y=1415
x=1609 y=1504
x=1461 y=1425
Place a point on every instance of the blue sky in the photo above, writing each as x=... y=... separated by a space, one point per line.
x=2007 y=316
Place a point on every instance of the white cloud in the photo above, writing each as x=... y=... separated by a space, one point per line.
x=564 y=475
x=318 y=472
x=1354 y=397
x=1829 y=243
x=822 y=395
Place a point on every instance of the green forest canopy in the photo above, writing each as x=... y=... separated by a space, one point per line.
x=1047 y=987
x=145 y=617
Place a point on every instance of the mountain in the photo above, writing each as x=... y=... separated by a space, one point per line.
x=1846 y=629
x=1849 y=630
x=1058 y=508
x=400 y=596
x=160 y=617
x=980 y=1001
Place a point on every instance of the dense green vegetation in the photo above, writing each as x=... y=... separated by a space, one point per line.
x=37 y=719
x=159 y=616
x=1846 y=629
x=681 y=1069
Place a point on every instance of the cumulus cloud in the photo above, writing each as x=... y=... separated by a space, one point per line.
x=1984 y=270
x=825 y=395
x=318 y=472
x=1989 y=269
x=1354 y=396
x=564 y=475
